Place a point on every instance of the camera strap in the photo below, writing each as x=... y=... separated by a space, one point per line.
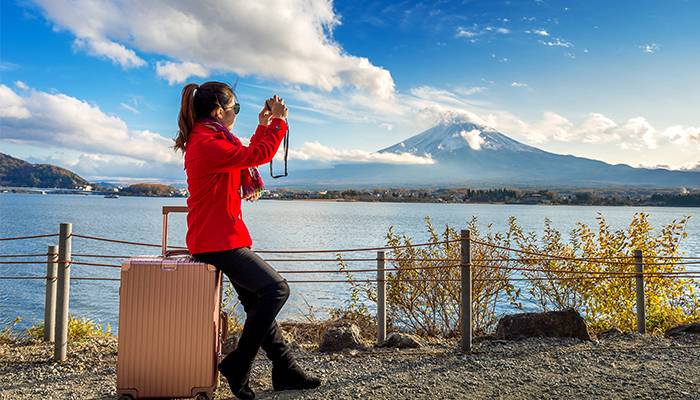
x=286 y=153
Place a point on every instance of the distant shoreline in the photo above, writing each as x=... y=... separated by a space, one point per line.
x=37 y=191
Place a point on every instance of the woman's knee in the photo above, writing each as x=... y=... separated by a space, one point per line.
x=278 y=292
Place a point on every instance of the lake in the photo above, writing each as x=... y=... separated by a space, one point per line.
x=273 y=225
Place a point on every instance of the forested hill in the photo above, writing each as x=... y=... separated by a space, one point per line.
x=16 y=172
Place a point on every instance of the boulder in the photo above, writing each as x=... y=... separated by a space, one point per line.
x=401 y=341
x=682 y=330
x=567 y=323
x=611 y=333
x=340 y=337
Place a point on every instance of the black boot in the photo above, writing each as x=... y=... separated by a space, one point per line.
x=290 y=376
x=237 y=375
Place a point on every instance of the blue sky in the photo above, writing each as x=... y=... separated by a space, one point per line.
x=95 y=87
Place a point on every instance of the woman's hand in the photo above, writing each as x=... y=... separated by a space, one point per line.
x=276 y=104
x=265 y=116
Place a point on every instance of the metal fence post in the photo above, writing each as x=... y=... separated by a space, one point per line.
x=63 y=295
x=466 y=281
x=50 y=302
x=641 y=304
x=381 y=298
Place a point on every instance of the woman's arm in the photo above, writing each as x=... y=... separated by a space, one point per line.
x=220 y=155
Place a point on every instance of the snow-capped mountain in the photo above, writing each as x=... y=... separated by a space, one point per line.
x=452 y=136
x=469 y=154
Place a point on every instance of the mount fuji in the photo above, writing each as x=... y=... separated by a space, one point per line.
x=469 y=154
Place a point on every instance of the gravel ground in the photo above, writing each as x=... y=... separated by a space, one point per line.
x=626 y=366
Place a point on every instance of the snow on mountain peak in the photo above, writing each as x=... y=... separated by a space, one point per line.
x=457 y=132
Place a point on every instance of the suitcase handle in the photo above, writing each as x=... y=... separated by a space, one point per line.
x=167 y=210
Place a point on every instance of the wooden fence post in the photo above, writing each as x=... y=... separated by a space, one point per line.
x=641 y=305
x=381 y=298
x=466 y=281
x=50 y=300
x=63 y=295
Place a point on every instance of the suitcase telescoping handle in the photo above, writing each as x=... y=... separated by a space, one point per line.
x=167 y=210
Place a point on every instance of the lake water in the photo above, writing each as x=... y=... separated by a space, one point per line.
x=273 y=225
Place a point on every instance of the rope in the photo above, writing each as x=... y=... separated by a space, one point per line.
x=123 y=241
x=367 y=270
x=564 y=271
x=23 y=255
x=96 y=264
x=354 y=249
x=359 y=259
x=29 y=237
x=276 y=251
x=24 y=262
x=611 y=273
x=23 y=277
x=375 y=280
x=99 y=256
x=549 y=257
x=80 y=278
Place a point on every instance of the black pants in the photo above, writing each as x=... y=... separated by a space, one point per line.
x=262 y=292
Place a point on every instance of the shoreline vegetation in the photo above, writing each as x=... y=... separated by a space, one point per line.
x=587 y=197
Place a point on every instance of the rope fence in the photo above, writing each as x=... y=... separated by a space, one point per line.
x=449 y=266
x=60 y=259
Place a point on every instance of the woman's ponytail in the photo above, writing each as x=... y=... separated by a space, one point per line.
x=187 y=116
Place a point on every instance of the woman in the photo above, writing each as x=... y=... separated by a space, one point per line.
x=220 y=170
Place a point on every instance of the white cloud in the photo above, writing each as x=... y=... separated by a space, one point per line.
x=693 y=166
x=539 y=32
x=556 y=42
x=469 y=91
x=474 y=32
x=465 y=33
x=386 y=126
x=502 y=31
x=519 y=85
x=649 y=48
x=286 y=40
x=315 y=151
x=179 y=72
x=639 y=128
x=116 y=52
x=21 y=85
x=684 y=135
x=597 y=128
x=633 y=134
x=473 y=138
x=95 y=166
x=130 y=108
x=12 y=105
x=62 y=121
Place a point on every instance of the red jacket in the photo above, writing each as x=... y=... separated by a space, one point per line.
x=213 y=165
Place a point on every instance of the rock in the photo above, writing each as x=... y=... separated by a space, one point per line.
x=401 y=341
x=567 y=323
x=610 y=333
x=340 y=337
x=682 y=330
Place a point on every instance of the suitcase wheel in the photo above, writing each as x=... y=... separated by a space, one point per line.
x=203 y=396
x=126 y=397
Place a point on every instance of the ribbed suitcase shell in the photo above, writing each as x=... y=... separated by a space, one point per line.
x=170 y=328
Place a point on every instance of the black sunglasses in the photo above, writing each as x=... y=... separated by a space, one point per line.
x=236 y=108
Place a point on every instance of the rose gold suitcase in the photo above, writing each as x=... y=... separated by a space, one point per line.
x=171 y=328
